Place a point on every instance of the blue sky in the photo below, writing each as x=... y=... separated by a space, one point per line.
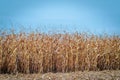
x=96 y=16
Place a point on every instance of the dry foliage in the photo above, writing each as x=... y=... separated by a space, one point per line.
x=39 y=52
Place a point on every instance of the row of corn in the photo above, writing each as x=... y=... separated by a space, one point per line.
x=40 y=53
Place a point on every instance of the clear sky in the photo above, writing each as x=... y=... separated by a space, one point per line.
x=96 y=16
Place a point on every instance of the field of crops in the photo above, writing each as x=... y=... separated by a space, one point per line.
x=41 y=53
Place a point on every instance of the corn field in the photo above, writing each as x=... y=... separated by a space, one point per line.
x=41 y=53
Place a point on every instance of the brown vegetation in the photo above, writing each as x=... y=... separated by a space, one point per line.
x=39 y=53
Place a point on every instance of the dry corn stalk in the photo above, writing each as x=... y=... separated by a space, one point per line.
x=39 y=53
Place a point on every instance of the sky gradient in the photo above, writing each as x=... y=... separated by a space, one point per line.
x=96 y=16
